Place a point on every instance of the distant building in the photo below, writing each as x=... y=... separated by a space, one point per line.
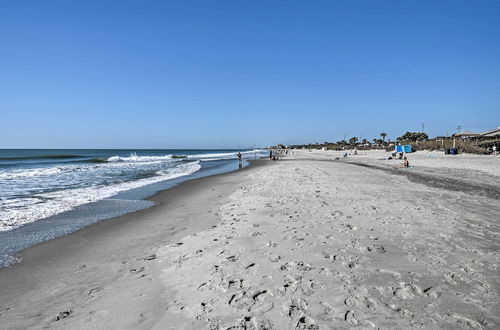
x=466 y=135
x=490 y=133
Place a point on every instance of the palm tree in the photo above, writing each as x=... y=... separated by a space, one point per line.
x=353 y=140
x=383 y=135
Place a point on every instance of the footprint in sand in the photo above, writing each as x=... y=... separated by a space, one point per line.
x=450 y=278
x=307 y=291
x=377 y=248
x=297 y=308
x=4 y=310
x=350 y=317
x=304 y=267
x=135 y=270
x=93 y=291
x=324 y=311
x=325 y=271
x=288 y=266
x=62 y=315
x=306 y=322
x=432 y=292
x=391 y=272
x=258 y=302
x=81 y=267
x=273 y=257
x=406 y=291
x=465 y=321
x=235 y=284
x=252 y=323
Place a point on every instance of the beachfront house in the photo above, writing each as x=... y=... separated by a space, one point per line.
x=465 y=135
x=490 y=133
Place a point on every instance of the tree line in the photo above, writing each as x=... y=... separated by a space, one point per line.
x=408 y=137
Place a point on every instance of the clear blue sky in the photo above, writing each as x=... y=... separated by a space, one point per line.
x=191 y=74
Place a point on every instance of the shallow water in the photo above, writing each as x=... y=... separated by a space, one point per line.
x=50 y=193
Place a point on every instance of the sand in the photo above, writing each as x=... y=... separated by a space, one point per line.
x=303 y=243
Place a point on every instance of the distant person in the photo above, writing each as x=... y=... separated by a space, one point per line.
x=239 y=160
x=270 y=155
x=405 y=164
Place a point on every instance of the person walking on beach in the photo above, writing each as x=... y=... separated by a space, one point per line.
x=270 y=155
x=239 y=160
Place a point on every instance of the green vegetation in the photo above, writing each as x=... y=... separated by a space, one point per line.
x=418 y=140
x=413 y=137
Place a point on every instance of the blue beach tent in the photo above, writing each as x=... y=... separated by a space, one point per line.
x=405 y=148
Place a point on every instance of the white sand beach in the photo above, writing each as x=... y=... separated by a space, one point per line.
x=307 y=242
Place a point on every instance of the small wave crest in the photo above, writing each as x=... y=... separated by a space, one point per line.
x=98 y=160
x=225 y=155
x=134 y=158
x=115 y=161
x=33 y=172
x=41 y=157
x=14 y=213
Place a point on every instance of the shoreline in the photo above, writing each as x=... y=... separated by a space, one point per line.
x=67 y=222
x=90 y=251
x=298 y=244
x=159 y=199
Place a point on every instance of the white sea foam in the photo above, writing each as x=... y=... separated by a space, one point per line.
x=48 y=171
x=227 y=155
x=118 y=161
x=134 y=158
x=28 y=194
x=14 y=213
x=33 y=172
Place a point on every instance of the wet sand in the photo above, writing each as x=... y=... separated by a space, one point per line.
x=100 y=276
x=304 y=243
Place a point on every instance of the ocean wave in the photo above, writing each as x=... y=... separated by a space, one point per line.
x=98 y=160
x=26 y=173
x=56 y=162
x=114 y=161
x=81 y=166
x=226 y=155
x=14 y=213
x=42 y=157
x=134 y=158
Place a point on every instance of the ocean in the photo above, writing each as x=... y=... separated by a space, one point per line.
x=49 y=193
